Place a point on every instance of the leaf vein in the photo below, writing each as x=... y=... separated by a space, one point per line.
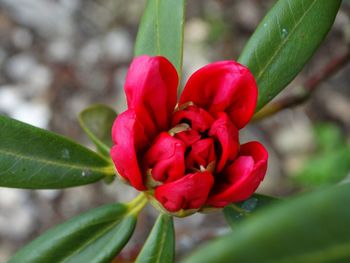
x=53 y=163
x=272 y=58
x=291 y=11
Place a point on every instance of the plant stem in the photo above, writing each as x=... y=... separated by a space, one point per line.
x=136 y=205
x=239 y=210
x=308 y=88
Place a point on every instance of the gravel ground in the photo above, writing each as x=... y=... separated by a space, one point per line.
x=59 y=56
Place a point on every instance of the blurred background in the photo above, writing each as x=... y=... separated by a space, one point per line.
x=59 y=56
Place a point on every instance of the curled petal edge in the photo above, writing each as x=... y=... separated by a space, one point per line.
x=241 y=178
x=151 y=90
x=223 y=86
x=189 y=192
x=129 y=139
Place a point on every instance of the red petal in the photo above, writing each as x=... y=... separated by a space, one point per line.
x=197 y=118
x=166 y=158
x=242 y=177
x=151 y=89
x=202 y=154
x=226 y=134
x=223 y=86
x=188 y=137
x=189 y=192
x=129 y=139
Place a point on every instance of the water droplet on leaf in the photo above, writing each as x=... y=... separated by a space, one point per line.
x=85 y=173
x=250 y=204
x=65 y=154
x=239 y=216
x=284 y=32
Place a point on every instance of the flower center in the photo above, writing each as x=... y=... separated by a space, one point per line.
x=192 y=125
x=197 y=142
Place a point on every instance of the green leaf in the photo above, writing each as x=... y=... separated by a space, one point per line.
x=96 y=236
x=325 y=168
x=284 y=42
x=97 y=122
x=161 y=31
x=34 y=158
x=235 y=213
x=329 y=136
x=310 y=228
x=331 y=161
x=160 y=244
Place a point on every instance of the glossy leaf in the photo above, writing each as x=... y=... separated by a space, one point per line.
x=284 y=42
x=97 y=122
x=34 y=158
x=310 y=228
x=161 y=31
x=160 y=245
x=234 y=213
x=96 y=236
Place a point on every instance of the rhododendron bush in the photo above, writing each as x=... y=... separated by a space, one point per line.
x=179 y=147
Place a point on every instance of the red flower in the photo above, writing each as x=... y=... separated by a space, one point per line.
x=188 y=155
